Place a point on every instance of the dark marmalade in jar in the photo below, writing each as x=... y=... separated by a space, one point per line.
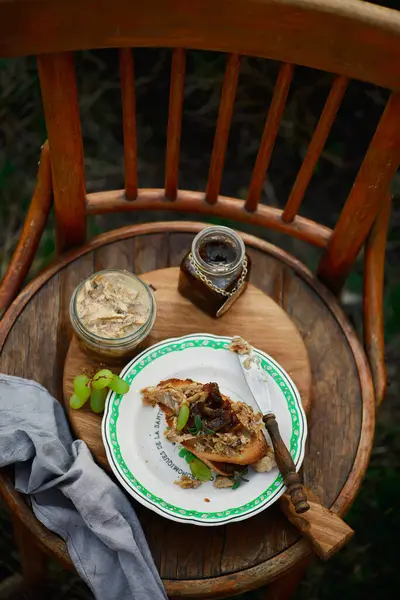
x=215 y=272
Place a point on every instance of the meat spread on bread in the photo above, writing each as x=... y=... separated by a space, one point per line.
x=220 y=432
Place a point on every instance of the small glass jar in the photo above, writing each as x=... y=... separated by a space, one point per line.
x=108 y=346
x=215 y=272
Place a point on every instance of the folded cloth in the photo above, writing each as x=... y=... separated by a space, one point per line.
x=74 y=497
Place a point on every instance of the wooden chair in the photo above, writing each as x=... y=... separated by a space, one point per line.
x=350 y=39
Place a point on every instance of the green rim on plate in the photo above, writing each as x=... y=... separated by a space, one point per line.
x=116 y=458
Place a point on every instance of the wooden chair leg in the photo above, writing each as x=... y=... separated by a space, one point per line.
x=284 y=587
x=32 y=559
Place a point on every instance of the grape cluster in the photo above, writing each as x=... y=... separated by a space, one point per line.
x=96 y=388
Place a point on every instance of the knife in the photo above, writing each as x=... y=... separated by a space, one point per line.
x=258 y=386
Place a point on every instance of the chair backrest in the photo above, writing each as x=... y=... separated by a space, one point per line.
x=351 y=39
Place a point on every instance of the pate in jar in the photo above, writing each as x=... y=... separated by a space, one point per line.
x=112 y=312
x=215 y=272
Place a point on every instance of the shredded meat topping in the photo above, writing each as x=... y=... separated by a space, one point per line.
x=112 y=305
x=187 y=483
x=221 y=482
x=176 y=437
x=167 y=395
x=247 y=417
x=226 y=427
x=265 y=464
x=222 y=443
x=239 y=345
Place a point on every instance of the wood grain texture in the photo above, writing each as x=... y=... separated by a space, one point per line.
x=284 y=587
x=369 y=190
x=177 y=316
x=45 y=540
x=40 y=322
x=366 y=420
x=115 y=256
x=245 y=555
x=374 y=269
x=315 y=148
x=223 y=126
x=269 y=136
x=61 y=109
x=151 y=253
x=350 y=38
x=69 y=279
x=174 y=122
x=193 y=202
x=325 y=530
x=32 y=560
x=35 y=222
x=128 y=96
x=333 y=367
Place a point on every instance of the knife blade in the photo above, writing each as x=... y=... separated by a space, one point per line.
x=257 y=383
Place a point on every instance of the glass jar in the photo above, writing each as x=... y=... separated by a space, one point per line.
x=215 y=272
x=113 y=345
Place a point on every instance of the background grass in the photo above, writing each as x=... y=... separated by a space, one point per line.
x=369 y=564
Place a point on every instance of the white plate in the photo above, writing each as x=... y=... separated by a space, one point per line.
x=147 y=464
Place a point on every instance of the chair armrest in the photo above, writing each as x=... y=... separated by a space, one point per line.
x=34 y=225
x=374 y=267
x=18 y=505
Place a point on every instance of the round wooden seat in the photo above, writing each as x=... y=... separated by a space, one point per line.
x=196 y=561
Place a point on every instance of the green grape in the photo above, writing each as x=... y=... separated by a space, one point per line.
x=102 y=379
x=98 y=400
x=200 y=470
x=118 y=385
x=183 y=417
x=75 y=402
x=81 y=388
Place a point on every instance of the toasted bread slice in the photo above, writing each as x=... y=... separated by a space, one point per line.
x=221 y=468
x=254 y=451
x=170 y=393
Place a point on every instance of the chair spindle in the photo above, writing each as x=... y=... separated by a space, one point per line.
x=223 y=126
x=269 y=136
x=129 y=121
x=316 y=146
x=174 y=122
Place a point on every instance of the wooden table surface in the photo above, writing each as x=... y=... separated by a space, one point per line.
x=36 y=348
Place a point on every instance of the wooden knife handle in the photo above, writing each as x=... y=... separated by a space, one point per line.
x=326 y=531
x=286 y=466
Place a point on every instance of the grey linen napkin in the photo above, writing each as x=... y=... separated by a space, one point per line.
x=74 y=497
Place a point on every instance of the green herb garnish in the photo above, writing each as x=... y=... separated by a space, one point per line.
x=199 y=427
x=187 y=455
x=238 y=477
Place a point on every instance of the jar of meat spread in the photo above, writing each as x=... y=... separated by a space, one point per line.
x=215 y=272
x=112 y=312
